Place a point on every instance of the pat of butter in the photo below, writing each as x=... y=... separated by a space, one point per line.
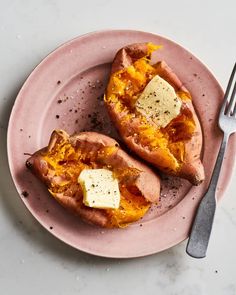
x=159 y=102
x=100 y=188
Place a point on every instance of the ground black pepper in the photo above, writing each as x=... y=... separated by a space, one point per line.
x=57 y=116
x=100 y=97
x=25 y=194
x=28 y=164
x=95 y=122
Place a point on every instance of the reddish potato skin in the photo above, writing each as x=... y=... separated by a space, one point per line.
x=192 y=168
x=147 y=182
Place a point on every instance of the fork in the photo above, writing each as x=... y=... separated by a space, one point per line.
x=202 y=225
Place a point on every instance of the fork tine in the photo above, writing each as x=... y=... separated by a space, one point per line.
x=231 y=101
x=234 y=111
x=228 y=89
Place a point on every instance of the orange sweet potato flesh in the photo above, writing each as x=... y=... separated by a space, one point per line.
x=59 y=164
x=174 y=149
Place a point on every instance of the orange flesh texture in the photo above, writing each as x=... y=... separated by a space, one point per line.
x=124 y=88
x=67 y=163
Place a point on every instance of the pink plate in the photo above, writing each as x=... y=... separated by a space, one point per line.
x=64 y=91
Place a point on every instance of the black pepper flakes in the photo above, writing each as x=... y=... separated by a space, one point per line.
x=58 y=82
x=100 y=97
x=51 y=227
x=57 y=116
x=96 y=123
x=28 y=164
x=25 y=194
x=59 y=101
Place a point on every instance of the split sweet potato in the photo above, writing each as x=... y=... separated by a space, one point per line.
x=174 y=149
x=60 y=163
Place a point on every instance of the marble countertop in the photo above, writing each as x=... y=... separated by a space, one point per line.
x=33 y=261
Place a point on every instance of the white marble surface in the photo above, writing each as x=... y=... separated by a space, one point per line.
x=34 y=262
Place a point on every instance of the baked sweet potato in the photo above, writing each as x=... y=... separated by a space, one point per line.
x=175 y=148
x=60 y=163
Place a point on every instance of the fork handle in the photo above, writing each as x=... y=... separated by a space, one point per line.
x=202 y=225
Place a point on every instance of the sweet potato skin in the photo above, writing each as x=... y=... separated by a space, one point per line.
x=191 y=167
x=147 y=182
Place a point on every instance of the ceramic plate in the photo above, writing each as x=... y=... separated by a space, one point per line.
x=65 y=91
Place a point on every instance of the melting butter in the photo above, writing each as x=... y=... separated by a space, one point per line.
x=100 y=188
x=159 y=102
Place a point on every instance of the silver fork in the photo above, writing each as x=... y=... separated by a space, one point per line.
x=202 y=225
